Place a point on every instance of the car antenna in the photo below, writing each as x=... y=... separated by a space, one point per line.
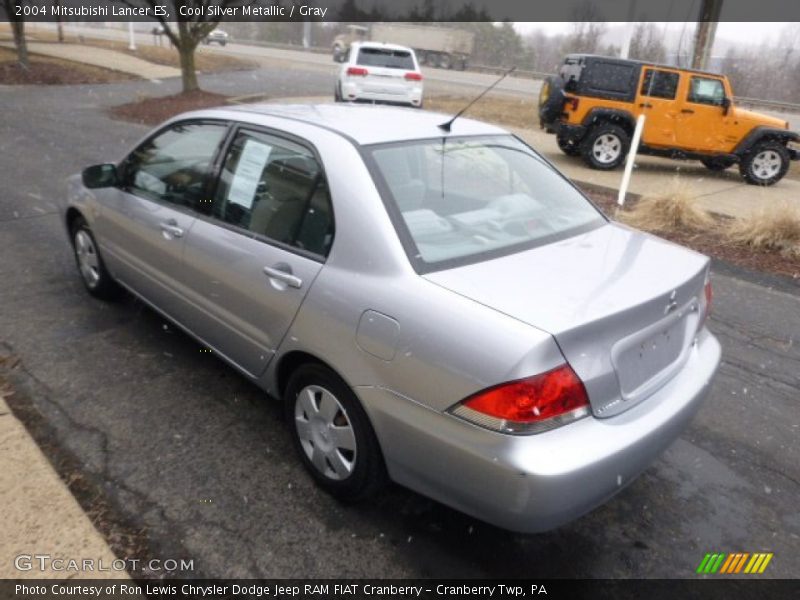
x=446 y=126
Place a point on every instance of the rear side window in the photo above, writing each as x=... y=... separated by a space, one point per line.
x=660 y=84
x=613 y=78
x=704 y=90
x=276 y=189
x=390 y=59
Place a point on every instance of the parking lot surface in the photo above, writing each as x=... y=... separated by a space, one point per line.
x=200 y=462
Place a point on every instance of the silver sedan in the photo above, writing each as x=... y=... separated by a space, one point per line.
x=434 y=304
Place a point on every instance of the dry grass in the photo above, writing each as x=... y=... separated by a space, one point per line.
x=674 y=210
x=205 y=61
x=499 y=109
x=776 y=229
x=49 y=70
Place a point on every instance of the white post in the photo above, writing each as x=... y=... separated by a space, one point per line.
x=626 y=178
x=131 y=38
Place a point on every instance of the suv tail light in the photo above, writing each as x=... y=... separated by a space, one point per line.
x=357 y=71
x=529 y=405
x=413 y=76
x=572 y=103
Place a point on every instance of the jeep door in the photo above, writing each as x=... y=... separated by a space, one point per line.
x=143 y=224
x=704 y=125
x=251 y=260
x=657 y=100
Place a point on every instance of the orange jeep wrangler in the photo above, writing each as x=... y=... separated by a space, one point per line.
x=594 y=101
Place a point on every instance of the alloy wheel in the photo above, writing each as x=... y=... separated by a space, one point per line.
x=88 y=260
x=607 y=148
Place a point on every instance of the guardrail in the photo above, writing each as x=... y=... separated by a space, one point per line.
x=768 y=103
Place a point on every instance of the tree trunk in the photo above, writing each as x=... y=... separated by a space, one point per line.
x=18 y=28
x=188 y=72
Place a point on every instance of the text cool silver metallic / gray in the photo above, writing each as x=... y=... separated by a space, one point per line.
x=439 y=307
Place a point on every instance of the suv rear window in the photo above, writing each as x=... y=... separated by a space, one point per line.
x=609 y=79
x=391 y=59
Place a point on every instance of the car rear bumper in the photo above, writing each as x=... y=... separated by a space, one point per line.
x=536 y=482
x=353 y=92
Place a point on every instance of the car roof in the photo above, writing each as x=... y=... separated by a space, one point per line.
x=382 y=45
x=368 y=124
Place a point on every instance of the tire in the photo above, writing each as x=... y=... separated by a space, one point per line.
x=96 y=278
x=317 y=403
x=551 y=99
x=567 y=146
x=717 y=163
x=223 y=44
x=605 y=146
x=765 y=164
x=337 y=93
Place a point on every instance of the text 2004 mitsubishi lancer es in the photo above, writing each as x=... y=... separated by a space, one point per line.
x=432 y=302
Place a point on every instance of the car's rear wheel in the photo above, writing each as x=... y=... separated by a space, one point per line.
x=717 y=163
x=605 y=146
x=567 y=145
x=95 y=276
x=332 y=433
x=337 y=92
x=765 y=164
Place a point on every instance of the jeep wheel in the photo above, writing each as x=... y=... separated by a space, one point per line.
x=765 y=164
x=568 y=145
x=551 y=99
x=717 y=163
x=605 y=147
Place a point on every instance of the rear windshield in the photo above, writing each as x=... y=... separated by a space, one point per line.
x=391 y=59
x=461 y=200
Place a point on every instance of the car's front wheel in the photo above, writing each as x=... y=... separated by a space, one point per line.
x=95 y=276
x=605 y=147
x=765 y=164
x=332 y=433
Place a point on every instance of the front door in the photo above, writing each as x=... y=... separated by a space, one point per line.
x=144 y=223
x=251 y=261
x=704 y=119
x=657 y=100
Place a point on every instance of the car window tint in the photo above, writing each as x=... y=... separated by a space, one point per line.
x=275 y=188
x=465 y=197
x=664 y=84
x=173 y=166
x=391 y=59
x=703 y=90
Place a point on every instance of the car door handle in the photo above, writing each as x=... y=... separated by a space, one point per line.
x=645 y=105
x=687 y=111
x=171 y=228
x=281 y=275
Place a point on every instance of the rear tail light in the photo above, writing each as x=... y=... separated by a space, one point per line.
x=572 y=103
x=357 y=72
x=413 y=77
x=529 y=405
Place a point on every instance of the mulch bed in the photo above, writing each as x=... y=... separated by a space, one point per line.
x=152 y=111
x=710 y=243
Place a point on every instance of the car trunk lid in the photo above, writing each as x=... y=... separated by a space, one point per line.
x=624 y=307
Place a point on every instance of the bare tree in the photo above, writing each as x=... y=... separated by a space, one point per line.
x=18 y=29
x=587 y=30
x=186 y=32
x=647 y=43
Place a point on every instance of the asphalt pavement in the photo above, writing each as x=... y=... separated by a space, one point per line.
x=199 y=460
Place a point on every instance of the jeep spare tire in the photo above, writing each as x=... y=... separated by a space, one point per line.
x=551 y=99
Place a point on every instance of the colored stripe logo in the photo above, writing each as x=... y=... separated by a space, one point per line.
x=735 y=563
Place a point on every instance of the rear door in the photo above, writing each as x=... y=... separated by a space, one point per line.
x=143 y=224
x=386 y=70
x=251 y=260
x=657 y=99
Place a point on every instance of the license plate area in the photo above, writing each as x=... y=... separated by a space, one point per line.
x=644 y=360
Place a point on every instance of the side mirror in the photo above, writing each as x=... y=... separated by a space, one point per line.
x=100 y=176
x=726 y=105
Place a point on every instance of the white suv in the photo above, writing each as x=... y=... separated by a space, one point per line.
x=376 y=72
